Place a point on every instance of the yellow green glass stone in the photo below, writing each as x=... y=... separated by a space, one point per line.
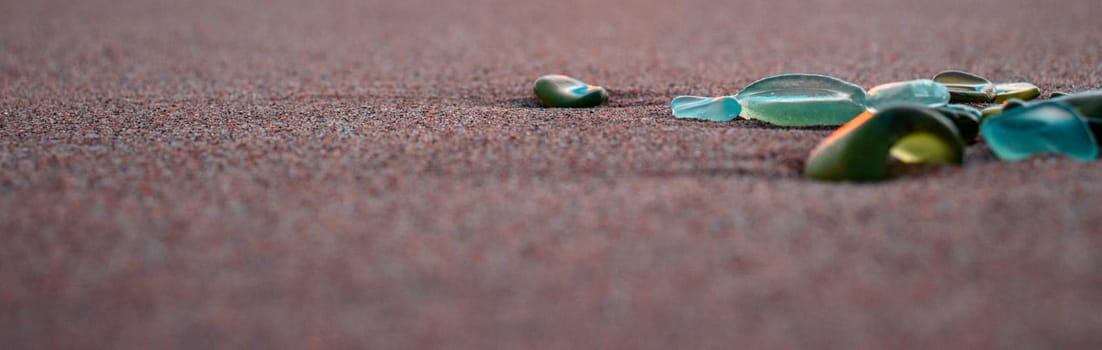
x=860 y=149
x=991 y=110
x=1021 y=91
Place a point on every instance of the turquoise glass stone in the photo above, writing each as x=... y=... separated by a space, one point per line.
x=802 y=100
x=1046 y=127
x=924 y=92
x=719 y=109
x=564 y=91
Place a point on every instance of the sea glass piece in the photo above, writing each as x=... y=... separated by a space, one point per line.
x=1012 y=104
x=965 y=118
x=991 y=110
x=564 y=91
x=1045 y=127
x=924 y=92
x=719 y=109
x=1089 y=106
x=966 y=87
x=1021 y=91
x=1056 y=94
x=860 y=149
x=975 y=113
x=802 y=100
x=1087 y=103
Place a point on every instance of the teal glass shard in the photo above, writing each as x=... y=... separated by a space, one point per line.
x=923 y=92
x=1046 y=127
x=802 y=100
x=719 y=109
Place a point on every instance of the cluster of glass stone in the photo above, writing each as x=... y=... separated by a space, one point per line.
x=891 y=126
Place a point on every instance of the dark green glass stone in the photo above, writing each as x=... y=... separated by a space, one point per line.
x=567 y=92
x=965 y=118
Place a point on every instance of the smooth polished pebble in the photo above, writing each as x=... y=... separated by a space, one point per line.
x=564 y=91
x=1021 y=91
x=1045 y=127
x=923 y=92
x=720 y=109
x=860 y=149
x=802 y=100
x=966 y=87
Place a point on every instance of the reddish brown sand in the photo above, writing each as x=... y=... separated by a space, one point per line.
x=332 y=174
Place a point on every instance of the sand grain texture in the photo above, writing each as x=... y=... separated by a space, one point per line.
x=345 y=174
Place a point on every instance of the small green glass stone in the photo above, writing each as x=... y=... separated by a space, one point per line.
x=1045 y=127
x=965 y=118
x=859 y=150
x=966 y=87
x=564 y=91
x=1021 y=91
x=923 y=92
x=720 y=109
x=991 y=110
x=802 y=100
x=1012 y=104
x=1056 y=94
